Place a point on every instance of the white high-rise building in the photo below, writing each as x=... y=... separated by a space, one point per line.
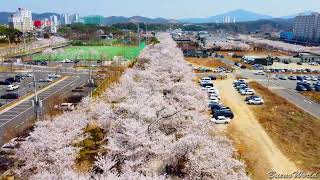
x=65 y=19
x=21 y=20
x=54 y=23
x=307 y=27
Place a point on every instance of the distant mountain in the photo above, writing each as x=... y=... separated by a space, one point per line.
x=240 y=16
x=40 y=16
x=107 y=20
x=35 y=16
x=137 y=19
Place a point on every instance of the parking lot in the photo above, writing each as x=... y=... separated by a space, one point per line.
x=26 y=85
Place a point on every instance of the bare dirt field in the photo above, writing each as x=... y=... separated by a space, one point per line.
x=207 y=62
x=293 y=130
x=253 y=143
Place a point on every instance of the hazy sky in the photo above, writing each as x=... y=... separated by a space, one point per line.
x=163 y=8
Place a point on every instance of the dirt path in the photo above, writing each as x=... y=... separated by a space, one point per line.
x=253 y=143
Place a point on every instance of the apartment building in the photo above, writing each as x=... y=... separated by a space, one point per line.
x=21 y=20
x=307 y=27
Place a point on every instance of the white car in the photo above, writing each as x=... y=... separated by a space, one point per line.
x=260 y=73
x=221 y=120
x=66 y=107
x=206 y=79
x=54 y=76
x=214 y=95
x=27 y=75
x=66 y=61
x=313 y=78
x=256 y=101
x=12 y=87
x=46 y=80
x=213 y=100
x=247 y=92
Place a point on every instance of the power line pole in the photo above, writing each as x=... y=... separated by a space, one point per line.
x=36 y=102
x=139 y=37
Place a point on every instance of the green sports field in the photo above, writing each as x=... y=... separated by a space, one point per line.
x=91 y=53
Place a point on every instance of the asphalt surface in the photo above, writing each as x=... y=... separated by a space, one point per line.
x=20 y=112
x=283 y=88
x=25 y=86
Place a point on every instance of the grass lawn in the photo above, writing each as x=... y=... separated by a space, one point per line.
x=91 y=53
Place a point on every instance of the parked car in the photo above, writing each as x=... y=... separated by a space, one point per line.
x=300 y=78
x=51 y=76
x=66 y=107
x=292 y=78
x=5 y=82
x=12 y=87
x=10 y=96
x=13 y=79
x=247 y=92
x=66 y=61
x=221 y=120
x=260 y=73
x=314 y=78
x=282 y=77
x=20 y=77
x=251 y=97
x=301 y=88
x=241 y=86
x=256 y=101
x=213 y=77
x=213 y=100
x=27 y=75
x=239 y=81
x=224 y=112
x=46 y=80
x=317 y=88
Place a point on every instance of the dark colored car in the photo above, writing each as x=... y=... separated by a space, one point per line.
x=215 y=106
x=317 y=88
x=308 y=87
x=10 y=96
x=299 y=63
x=301 y=88
x=300 y=78
x=19 y=77
x=43 y=63
x=213 y=77
x=13 y=80
x=207 y=84
x=225 y=113
x=5 y=83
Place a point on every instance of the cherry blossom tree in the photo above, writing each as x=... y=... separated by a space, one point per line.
x=155 y=126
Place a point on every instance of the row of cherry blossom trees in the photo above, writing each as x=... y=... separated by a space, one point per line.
x=52 y=41
x=229 y=45
x=155 y=124
x=278 y=45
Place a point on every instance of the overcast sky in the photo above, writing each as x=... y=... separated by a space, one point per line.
x=163 y=8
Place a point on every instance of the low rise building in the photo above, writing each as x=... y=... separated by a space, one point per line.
x=309 y=57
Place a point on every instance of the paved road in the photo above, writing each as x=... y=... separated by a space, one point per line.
x=285 y=89
x=17 y=115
